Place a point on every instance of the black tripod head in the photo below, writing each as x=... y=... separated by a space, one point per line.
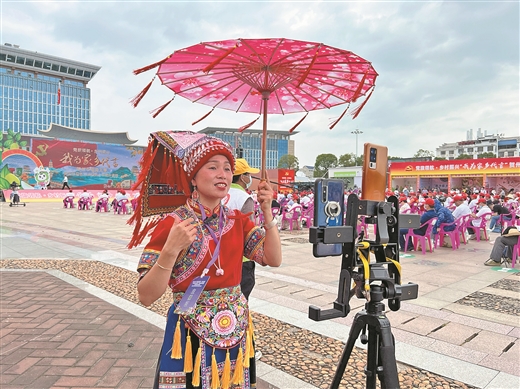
x=373 y=281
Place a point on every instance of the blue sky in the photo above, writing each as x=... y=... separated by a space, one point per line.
x=444 y=67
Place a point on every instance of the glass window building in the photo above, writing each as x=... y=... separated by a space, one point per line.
x=248 y=144
x=38 y=89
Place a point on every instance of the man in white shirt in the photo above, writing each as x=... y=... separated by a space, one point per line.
x=238 y=198
x=462 y=207
x=476 y=217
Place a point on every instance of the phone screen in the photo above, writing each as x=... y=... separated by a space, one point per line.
x=329 y=208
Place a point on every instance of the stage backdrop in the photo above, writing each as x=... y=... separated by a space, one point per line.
x=86 y=165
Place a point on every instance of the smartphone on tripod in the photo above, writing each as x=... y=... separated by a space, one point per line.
x=329 y=208
x=375 y=166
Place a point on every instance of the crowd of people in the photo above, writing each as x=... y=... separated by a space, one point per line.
x=122 y=202
x=479 y=208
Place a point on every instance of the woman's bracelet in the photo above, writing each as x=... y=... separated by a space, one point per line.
x=162 y=267
x=270 y=225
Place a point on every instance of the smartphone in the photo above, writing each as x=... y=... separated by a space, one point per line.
x=329 y=207
x=375 y=165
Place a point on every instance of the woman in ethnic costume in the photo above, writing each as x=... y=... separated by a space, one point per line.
x=196 y=250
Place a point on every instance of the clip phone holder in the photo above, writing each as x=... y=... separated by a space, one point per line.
x=384 y=215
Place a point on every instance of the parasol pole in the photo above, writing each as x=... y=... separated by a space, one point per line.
x=265 y=99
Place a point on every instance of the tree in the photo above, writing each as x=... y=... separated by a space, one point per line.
x=464 y=156
x=289 y=162
x=421 y=153
x=348 y=159
x=487 y=154
x=323 y=163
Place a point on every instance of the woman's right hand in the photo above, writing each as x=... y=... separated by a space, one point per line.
x=182 y=234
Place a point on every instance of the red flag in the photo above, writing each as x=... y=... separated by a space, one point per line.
x=59 y=93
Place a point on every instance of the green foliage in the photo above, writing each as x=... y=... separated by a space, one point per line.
x=348 y=159
x=464 y=156
x=323 y=163
x=487 y=154
x=421 y=153
x=289 y=162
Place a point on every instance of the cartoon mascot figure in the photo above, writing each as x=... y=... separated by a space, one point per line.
x=42 y=176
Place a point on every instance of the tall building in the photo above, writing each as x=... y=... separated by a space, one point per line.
x=38 y=89
x=248 y=144
x=497 y=144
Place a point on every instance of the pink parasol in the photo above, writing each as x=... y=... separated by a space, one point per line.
x=265 y=76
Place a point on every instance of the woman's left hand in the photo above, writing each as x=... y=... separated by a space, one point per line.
x=265 y=196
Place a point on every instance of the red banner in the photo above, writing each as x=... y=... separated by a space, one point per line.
x=285 y=176
x=507 y=165
x=58 y=154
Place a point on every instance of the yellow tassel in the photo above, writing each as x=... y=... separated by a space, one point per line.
x=249 y=346
x=215 y=379
x=177 y=346
x=226 y=373
x=252 y=329
x=188 y=356
x=238 y=374
x=195 y=380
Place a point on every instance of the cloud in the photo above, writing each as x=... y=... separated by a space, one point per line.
x=444 y=67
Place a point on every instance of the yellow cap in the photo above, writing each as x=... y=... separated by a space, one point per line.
x=241 y=167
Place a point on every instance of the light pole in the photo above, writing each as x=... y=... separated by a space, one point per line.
x=356 y=132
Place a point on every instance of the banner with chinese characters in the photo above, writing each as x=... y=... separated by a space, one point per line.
x=466 y=167
x=45 y=163
x=285 y=176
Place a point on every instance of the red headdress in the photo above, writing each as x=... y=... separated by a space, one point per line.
x=169 y=163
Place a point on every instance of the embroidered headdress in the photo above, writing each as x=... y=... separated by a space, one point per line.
x=169 y=163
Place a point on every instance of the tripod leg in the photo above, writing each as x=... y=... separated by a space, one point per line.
x=357 y=325
x=371 y=369
x=388 y=376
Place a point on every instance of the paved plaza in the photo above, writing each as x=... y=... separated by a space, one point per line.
x=70 y=316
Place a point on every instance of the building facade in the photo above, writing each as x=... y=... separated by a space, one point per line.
x=489 y=173
x=38 y=89
x=248 y=144
x=497 y=144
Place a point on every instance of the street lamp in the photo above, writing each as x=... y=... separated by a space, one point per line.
x=357 y=132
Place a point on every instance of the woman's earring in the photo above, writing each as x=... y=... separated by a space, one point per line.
x=195 y=194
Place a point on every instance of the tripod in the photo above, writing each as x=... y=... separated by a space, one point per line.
x=381 y=362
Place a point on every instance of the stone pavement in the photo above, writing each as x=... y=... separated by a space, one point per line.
x=464 y=325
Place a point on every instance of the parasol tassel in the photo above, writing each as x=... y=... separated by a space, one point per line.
x=135 y=101
x=243 y=128
x=297 y=124
x=151 y=66
x=341 y=117
x=158 y=110
x=218 y=60
x=357 y=110
x=306 y=73
x=359 y=89
x=202 y=118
